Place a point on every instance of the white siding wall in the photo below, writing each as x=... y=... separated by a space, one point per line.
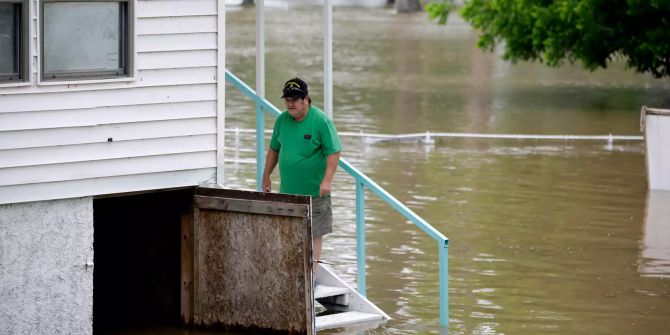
x=158 y=131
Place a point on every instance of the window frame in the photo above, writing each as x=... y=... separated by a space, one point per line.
x=22 y=58
x=127 y=46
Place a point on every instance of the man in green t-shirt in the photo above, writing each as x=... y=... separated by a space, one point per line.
x=306 y=145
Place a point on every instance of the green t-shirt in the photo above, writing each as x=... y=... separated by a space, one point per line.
x=303 y=148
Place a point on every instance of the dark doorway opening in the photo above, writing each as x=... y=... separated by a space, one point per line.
x=136 y=279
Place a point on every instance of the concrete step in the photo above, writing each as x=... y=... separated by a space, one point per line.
x=344 y=319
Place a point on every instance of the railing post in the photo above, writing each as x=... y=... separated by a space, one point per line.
x=443 y=247
x=328 y=57
x=360 y=236
x=260 y=146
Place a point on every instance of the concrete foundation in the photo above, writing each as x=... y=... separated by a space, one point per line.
x=46 y=267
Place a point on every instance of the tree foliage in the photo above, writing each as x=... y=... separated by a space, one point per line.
x=439 y=11
x=593 y=32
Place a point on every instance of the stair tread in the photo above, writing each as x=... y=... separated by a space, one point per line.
x=343 y=319
x=323 y=291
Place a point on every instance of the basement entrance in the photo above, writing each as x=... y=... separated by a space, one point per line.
x=136 y=279
x=205 y=258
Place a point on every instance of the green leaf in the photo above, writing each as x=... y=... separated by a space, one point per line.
x=439 y=11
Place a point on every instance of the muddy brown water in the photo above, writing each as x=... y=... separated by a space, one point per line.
x=546 y=236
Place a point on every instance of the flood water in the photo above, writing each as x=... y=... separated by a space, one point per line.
x=546 y=236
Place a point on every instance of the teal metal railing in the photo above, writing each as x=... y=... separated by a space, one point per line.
x=362 y=182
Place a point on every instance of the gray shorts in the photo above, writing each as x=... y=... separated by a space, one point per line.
x=322 y=216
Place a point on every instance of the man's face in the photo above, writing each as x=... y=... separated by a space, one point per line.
x=297 y=107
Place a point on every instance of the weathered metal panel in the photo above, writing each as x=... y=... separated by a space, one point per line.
x=251 y=206
x=251 y=270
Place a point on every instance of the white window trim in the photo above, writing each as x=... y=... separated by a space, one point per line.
x=16 y=84
x=27 y=49
x=85 y=81
x=132 y=37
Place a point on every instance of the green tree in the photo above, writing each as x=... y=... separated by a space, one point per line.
x=593 y=32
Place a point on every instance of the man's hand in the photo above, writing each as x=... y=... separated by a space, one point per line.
x=324 y=188
x=331 y=165
x=266 y=185
x=270 y=163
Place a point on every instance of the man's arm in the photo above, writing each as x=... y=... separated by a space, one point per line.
x=270 y=163
x=331 y=165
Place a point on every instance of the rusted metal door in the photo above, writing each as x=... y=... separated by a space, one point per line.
x=247 y=262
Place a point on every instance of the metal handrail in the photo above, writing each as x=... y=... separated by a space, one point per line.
x=362 y=181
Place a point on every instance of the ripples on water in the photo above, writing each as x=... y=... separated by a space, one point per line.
x=546 y=237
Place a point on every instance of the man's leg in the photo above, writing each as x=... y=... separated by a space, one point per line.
x=322 y=224
x=317 y=244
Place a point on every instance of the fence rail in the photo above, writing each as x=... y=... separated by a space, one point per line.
x=429 y=136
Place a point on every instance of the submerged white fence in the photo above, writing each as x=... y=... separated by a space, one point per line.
x=429 y=137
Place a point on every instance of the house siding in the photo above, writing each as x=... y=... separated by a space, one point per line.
x=158 y=131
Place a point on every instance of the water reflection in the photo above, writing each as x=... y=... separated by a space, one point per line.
x=655 y=255
x=479 y=102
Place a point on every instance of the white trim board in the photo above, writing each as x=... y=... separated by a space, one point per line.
x=104 y=186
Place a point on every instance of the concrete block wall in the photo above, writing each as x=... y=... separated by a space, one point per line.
x=46 y=267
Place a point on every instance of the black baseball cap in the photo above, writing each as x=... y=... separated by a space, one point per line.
x=295 y=88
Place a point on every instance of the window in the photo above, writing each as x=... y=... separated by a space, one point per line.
x=13 y=17
x=86 y=39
